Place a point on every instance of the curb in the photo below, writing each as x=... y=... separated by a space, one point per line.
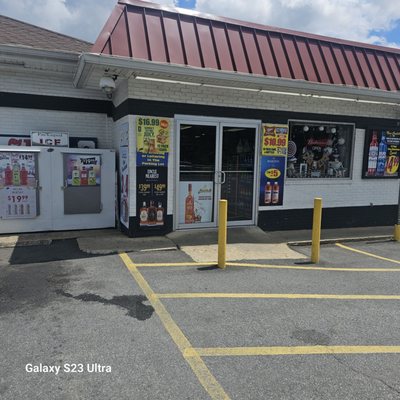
x=352 y=239
x=40 y=242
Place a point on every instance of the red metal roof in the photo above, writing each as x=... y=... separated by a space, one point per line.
x=147 y=31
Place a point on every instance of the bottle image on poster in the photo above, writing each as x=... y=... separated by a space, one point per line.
x=373 y=155
x=196 y=202
x=83 y=170
x=382 y=150
x=18 y=185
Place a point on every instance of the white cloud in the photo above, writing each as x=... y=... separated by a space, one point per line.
x=347 y=19
x=360 y=20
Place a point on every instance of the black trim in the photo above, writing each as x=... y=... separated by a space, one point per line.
x=136 y=231
x=338 y=217
x=57 y=103
x=169 y=109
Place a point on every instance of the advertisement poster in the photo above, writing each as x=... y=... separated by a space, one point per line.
x=152 y=141
x=15 y=140
x=50 y=139
x=273 y=164
x=381 y=154
x=18 y=185
x=124 y=174
x=151 y=197
x=83 y=170
x=196 y=202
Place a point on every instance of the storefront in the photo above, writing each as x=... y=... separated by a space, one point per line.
x=203 y=108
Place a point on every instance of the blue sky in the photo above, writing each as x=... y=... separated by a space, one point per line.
x=370 y=21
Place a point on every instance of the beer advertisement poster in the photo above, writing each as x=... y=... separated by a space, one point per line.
x=83 y=170
x=152 y=141
x=273 y=164
x=381 y=154
x=18 y=188
x=196 y=200
x=151 y=197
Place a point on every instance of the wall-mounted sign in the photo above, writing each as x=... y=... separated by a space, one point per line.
x=49 y=139
x=18 y=192
x=124 y=174
x=151 y=197
x=152 y=141
x=381 y=154
x=273 y=163
x=83 y=170
x=195 y=202
x=15 y=140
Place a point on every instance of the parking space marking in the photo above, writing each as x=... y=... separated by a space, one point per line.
x=367 y=253
x=274 y=296
x=291 y=350
x=267 y=266
x=208 y=381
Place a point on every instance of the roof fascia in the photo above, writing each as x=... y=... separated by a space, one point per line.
x=89 y=61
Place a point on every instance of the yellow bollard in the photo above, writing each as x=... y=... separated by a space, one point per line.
x=316 y=230
x=222 y=223
x=397 y=233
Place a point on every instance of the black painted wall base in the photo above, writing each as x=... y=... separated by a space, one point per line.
x=137 y=231
x=340 y=217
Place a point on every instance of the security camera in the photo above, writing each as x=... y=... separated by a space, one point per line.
x=107 y=85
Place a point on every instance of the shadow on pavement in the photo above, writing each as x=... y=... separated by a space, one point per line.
x=57 y=250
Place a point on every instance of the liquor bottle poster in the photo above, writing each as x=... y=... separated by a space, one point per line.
x=273 y=164
x=381 y=154
x=152 y=141
x=83 y=170
x=196 y=202
x=18 y=188
x=151 y=197
x=124 y=185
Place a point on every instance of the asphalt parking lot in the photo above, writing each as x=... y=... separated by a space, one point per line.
x=156 y=325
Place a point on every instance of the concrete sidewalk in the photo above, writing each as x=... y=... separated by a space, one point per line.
x=200 y=245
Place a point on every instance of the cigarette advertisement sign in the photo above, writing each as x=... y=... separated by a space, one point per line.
x=83 y=170
x=152 y=141
x=151 y=197
x=18 y=191
x=381 y=154
x=196 y=202
x=273 y=164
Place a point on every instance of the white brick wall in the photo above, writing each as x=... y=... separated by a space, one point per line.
x=22 y=121
x=154 y=90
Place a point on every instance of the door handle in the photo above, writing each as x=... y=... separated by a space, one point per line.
x=223 y=174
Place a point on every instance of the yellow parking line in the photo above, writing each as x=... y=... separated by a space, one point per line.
x=292 y=350
x=367 y=254
x=275 y=296
x=210 y=384
x=267 y=266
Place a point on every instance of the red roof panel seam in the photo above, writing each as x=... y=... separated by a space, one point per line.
x=324 y=60
x=196 y=31
x=285 y=52
x=392 y=74
x=381 y=71
x=259 y=53
x=346 y=60
x=185 y=59
x=341 y=76
x=210 y=25
x=113 y=29
x=230 y=48
x=246 y=55
x=364 y=78
x=147 y=35
x=303 y=68
x=128 y=33
x=273 y=54
x=371 y=70
x=164 y=37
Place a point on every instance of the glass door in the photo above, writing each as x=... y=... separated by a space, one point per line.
x=238 y=172
x=197 y=192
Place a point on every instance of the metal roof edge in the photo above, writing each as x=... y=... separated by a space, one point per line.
x=26 y=51
x=88 y=61
x=253 y=25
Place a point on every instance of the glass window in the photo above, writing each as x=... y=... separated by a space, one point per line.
x=319 y=150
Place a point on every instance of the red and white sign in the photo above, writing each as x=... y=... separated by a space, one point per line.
x=15 y=140
x=50 y=139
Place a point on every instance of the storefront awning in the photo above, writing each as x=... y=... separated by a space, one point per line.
x=157 y=34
